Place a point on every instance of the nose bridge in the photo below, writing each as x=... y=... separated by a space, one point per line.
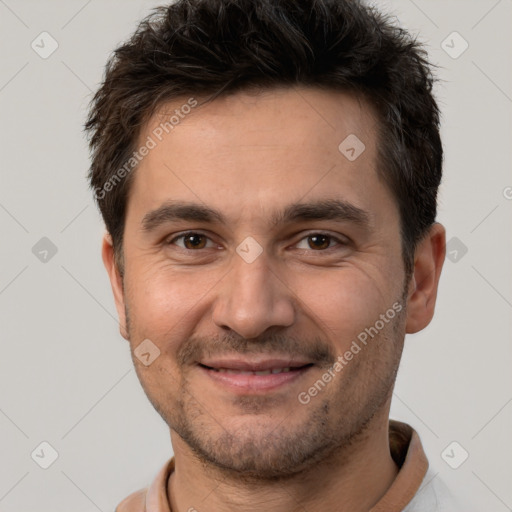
x=250 y=280
x=252 y=298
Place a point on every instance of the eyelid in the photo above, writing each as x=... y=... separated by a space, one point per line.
x=342 y=240
x=170 y=241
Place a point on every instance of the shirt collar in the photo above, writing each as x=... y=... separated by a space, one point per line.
x=406 y=450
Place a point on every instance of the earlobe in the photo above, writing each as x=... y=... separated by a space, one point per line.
x=428 y=263
x=116 y=281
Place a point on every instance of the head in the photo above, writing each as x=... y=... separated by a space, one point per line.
x=267 y=171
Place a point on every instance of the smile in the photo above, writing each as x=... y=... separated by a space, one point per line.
x=245 y=372
x=242 y=377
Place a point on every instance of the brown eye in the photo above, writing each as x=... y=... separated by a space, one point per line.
x=322 y=242
x=194 y=241
x=319 y=241
x=191 y=241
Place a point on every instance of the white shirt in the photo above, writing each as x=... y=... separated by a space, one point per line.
x=434 y=496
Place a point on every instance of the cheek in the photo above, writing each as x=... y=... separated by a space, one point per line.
x=343 y=305
x=164 y=304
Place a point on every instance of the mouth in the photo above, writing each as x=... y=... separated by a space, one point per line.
x=243 y=376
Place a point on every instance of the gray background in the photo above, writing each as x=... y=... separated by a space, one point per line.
x=66 y=376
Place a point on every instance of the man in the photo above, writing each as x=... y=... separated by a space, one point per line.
x=267 y=171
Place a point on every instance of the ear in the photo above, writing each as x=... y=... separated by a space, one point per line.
x=428 y=263
x=107 y=253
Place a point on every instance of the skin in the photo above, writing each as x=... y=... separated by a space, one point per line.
x=249 y=155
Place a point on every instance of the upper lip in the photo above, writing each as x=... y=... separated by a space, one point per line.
x=254 y=365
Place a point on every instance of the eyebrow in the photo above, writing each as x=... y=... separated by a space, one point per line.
x=327 y=209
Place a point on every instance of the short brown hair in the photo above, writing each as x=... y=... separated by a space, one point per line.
x=218 y=47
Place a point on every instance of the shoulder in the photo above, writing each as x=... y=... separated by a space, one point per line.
x=135 y=502
x=153 y=497
x=434 y=496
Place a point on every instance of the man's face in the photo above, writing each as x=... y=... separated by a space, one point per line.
x=262 y=290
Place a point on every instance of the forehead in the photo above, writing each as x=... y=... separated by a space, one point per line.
x=271 y=117
x=246 y=151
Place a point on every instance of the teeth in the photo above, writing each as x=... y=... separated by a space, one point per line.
x=260 y=372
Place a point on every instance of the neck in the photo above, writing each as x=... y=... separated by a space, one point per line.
x=353 y=479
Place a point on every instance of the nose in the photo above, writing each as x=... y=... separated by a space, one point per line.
x=253 y=298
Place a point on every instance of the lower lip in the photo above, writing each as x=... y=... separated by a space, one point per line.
x=254 y=383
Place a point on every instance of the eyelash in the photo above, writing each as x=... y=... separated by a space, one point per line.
x=340 y=242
